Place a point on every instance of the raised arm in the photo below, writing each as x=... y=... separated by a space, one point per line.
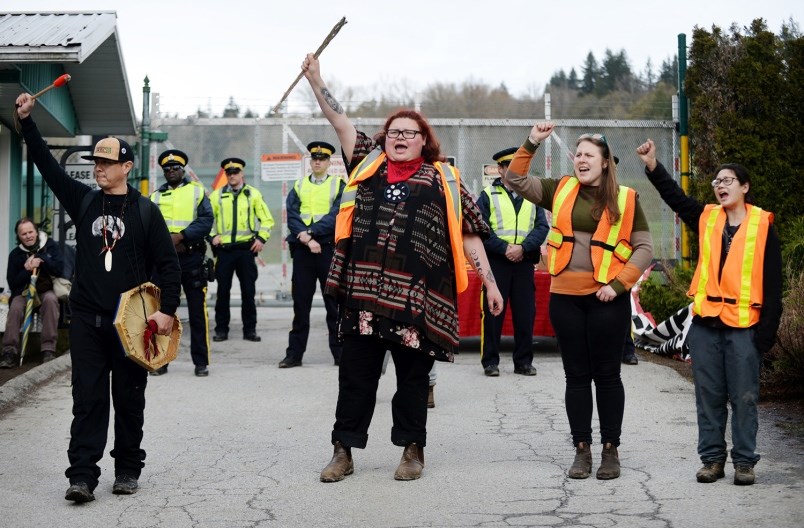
x=333 y=111
x=516 y=177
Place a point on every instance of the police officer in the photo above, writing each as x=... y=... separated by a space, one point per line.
x=518 y=228
x=312 y=206
x=188 y=214
x=242 y=225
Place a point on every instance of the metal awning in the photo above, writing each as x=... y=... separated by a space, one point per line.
x=35 y=48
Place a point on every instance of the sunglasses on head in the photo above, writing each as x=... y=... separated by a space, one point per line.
x=594 y=137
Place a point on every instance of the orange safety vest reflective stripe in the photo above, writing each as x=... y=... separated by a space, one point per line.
x=610 y=246
x=737 y=297
x=451 y=181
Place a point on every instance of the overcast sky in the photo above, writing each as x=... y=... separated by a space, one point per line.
x=198 y=54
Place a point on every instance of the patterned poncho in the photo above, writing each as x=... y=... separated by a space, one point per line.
x=395 y=275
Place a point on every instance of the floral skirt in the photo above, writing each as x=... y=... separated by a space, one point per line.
x=362 y=322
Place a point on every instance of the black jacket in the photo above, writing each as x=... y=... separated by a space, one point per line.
x=52 y=264
x=141 y=250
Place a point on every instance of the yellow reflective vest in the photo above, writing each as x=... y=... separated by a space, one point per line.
x=315 y=201
x=253 y=217
x=179 y=206
x=503 y=218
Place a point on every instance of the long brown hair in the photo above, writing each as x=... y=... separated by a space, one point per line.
x=431 y=150
x=607 y=191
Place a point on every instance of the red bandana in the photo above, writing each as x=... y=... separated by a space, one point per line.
x=399 y=171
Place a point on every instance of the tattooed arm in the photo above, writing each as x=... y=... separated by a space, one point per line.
x=332 y=109
x=476 y=255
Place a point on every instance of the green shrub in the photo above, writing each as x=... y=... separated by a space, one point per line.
x=665 y=292
x=783 y=372
x=792 y=236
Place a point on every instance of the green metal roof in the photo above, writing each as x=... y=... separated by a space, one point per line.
x=35 y=48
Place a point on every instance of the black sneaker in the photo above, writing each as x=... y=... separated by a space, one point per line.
x=529 y=370
x=252 y=336
x=630 y=359
x=158 y=372
x=220 y=336
x=201 y=371
x=48 y=355
x=289 y=362
x=125 y=485
x=79 y=492
x=9 y=359
x=491 y=370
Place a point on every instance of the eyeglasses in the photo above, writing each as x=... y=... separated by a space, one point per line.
x=394 y=133
x=725 y=181
x=232 y=172
x=170 y=168
x=595 y=137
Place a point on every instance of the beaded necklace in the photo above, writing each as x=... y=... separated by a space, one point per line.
x=115 y=236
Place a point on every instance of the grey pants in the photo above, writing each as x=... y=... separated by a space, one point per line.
x=725 y=366
x=48 y=311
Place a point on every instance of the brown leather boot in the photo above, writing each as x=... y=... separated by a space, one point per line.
x=582 y=465
x=412 y=463
x=431 y=398
x=340 y=465
x=609 y=463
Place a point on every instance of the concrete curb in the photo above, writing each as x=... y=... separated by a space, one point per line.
x=13 y=391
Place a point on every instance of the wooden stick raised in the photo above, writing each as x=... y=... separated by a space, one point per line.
x=323 y=45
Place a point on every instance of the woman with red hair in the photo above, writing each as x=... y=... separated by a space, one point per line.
x=405 y=227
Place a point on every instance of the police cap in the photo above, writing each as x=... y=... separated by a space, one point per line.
x=320 y=149
x=505 y=155
x=233 y=164
x=173 y=157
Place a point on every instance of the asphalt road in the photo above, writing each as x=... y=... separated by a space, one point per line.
x=244 y=447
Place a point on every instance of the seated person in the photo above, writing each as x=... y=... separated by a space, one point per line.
x=35 y=250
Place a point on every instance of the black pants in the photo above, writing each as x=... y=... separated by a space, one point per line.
x=591 y=334
x=194 y=284
x=518 y=289
x=358 y=377
x=96 y=352
x=308 y=270
x=240 y=261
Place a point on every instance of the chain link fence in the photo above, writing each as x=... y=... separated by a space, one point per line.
x=471 y=142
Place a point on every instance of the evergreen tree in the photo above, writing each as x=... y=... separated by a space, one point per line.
x=232 y=109
x=745 y=92
x=591 y=73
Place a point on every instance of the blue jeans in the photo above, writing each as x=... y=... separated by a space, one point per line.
x=725 y=367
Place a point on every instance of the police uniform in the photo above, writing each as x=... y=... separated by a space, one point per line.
x=513 y=221
x=312 y=206
x=241 y=217
x=188 y=214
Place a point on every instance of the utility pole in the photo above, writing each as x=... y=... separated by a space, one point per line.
x=146 y=137
x=683 y=133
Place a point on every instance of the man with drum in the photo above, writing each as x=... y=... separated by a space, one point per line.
x=117 y=249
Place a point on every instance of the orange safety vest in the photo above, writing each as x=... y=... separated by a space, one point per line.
x=611 y=247
x=737 y=297
x=451 y=181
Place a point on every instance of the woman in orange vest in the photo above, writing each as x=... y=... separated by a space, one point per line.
x=737 y=306
x=597 y=248
x=402 y=235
